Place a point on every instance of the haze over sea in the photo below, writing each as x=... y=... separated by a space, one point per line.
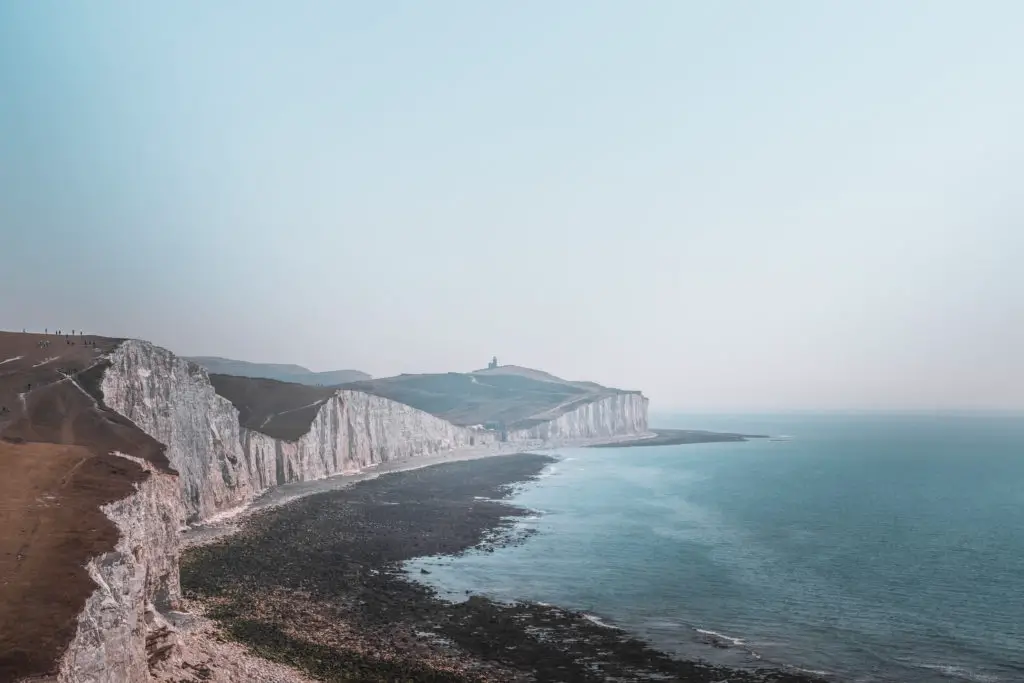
x=868 y=547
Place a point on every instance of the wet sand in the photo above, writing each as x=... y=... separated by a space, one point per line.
x=317 y=584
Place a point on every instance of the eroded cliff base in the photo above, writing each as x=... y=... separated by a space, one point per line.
x=206 y=655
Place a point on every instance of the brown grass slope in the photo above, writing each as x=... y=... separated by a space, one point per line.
x=283 y=410
x=56 y=444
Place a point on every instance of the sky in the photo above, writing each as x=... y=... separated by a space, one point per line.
x=732 y=206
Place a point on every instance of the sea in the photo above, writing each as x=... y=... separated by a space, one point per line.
x=867 y=548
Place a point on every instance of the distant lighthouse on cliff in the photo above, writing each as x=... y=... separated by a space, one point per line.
x=493 y=364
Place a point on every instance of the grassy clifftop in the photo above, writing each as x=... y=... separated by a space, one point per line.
x=282 y=373
x=508 y=396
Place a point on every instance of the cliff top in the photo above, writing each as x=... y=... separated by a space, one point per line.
x=538 y=375
x=283 y=373
x=56 y=444
x=507 y=395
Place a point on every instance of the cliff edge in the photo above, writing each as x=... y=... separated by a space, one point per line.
x=118 y=444
x=89 y=526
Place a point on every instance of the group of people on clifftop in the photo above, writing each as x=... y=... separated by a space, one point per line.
x=69 y=339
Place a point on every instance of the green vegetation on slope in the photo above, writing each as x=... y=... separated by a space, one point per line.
x=508 y=397
x=487 y=398
x=282 y=373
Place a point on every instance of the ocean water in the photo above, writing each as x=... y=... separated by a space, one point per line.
x=869 y=548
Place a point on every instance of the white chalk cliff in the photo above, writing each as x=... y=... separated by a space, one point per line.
x=222 y=465
x=616 y=415
x=122 y=631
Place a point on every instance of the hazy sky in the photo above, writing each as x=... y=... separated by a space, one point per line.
x=729 y=205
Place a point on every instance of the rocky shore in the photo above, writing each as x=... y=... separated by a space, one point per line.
x=317 y=584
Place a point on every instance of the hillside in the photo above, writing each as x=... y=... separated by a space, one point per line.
x=283 y=410
x=111 y=446
x=280 y=372
x=538 y=375
x=509 y=397
x=57 y=452
x=275 y=398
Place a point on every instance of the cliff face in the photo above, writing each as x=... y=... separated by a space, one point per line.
x=121 y=630
x=351 y=431
x=224 y=465
x=172 y=401
x=616 y=415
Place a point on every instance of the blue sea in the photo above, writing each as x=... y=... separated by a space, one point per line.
x=867 y=548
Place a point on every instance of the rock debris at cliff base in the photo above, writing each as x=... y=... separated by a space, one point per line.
x=317 y=584
x=206 y=655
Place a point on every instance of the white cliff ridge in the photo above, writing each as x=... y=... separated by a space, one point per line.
x=224 y=465
x=122 y=631
x=616 y=415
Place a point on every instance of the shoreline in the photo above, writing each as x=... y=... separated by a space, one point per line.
x=319 y=584
x=227 y=522
x=679 y=437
